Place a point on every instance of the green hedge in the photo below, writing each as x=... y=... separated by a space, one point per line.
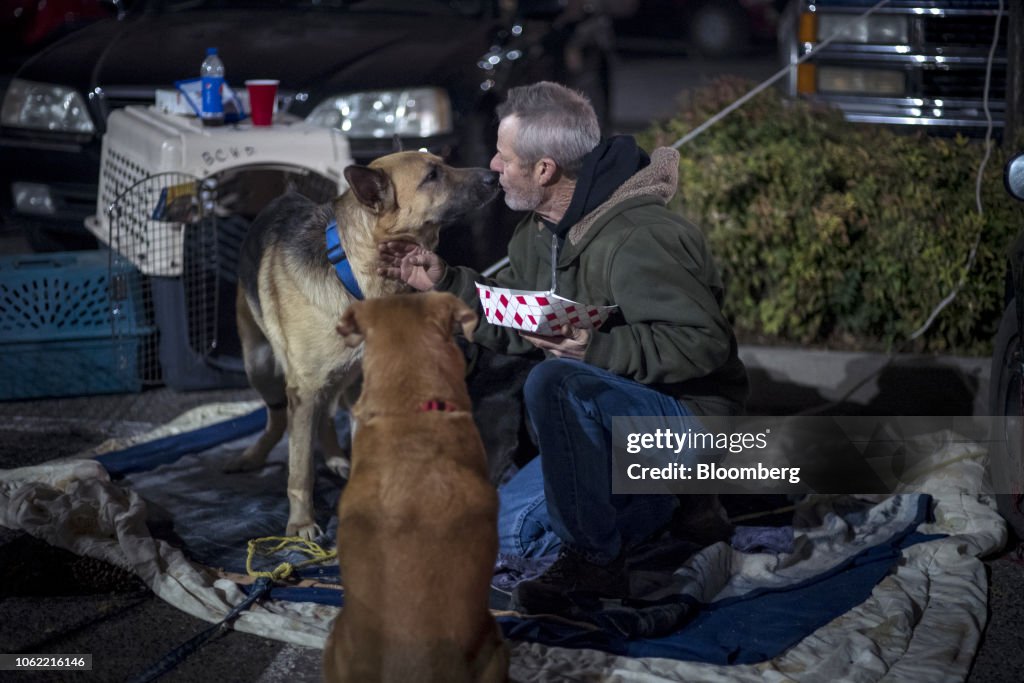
x=842 y=236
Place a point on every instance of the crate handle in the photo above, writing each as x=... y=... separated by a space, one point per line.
x=35 y=262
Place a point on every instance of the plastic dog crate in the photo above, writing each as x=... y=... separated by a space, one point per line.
x=69 y=325
x=175 y=201
x=141 y=142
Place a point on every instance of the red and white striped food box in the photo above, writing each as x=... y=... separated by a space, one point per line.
x=539 y=312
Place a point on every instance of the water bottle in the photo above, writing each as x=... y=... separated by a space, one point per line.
x=212 y=75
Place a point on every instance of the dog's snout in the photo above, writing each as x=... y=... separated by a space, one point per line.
x=473 y=188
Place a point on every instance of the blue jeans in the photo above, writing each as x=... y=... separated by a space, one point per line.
x=564 y=495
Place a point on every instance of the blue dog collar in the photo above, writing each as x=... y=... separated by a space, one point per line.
x=336 y=255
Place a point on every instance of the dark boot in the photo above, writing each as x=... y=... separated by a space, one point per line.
x=701 y=519
x=570 y=572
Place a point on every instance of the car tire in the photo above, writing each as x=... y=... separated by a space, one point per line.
x=1006 y=468
x=717 y=29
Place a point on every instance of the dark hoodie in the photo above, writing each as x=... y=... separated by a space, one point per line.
x=604 y=170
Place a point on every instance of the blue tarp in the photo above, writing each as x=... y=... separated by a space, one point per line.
x=212 y=516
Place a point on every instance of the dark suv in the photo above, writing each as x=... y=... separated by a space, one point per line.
x=460 y=55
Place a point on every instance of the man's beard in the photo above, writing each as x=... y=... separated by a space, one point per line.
x=524 y=199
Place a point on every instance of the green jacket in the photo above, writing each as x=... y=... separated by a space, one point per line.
x=632 y=252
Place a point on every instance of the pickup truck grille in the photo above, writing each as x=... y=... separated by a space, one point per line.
x=964 y=83
x=962 y=31
x=943 y=62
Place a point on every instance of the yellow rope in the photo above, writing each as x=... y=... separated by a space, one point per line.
x=269 y=545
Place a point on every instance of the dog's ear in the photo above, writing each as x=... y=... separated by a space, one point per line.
x=348 y=326
x=372 y=187
x=465 y=316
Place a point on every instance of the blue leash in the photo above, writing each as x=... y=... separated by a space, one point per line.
x=178 y=655
x=339 y=259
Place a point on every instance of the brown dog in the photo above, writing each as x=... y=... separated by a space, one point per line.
x=290 y=297
x=417 y=521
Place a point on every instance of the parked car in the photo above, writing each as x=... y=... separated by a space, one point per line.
x=1006 y=397
x=461 y=56
x=911 y=63
x=706 y=28
x=28 y=25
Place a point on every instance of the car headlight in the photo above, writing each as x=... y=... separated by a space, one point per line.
x=416 y=112
x=882 y=30
x=45 y=106
x=837 y=79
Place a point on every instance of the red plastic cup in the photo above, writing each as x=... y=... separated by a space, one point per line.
x=262 y=94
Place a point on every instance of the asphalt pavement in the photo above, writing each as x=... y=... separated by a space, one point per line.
x=52 y=601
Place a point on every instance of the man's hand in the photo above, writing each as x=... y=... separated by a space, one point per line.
x=412 y=264
x=572 y=343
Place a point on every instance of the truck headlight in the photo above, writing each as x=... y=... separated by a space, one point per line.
x=45 y=106
x=841 y=80
x=416 y=112
x=881 y=30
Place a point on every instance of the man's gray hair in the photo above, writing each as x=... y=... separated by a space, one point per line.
x=555 y=122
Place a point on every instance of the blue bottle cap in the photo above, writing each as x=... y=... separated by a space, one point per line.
x=211 y=50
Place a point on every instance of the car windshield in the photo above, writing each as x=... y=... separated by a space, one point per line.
x=461 y=7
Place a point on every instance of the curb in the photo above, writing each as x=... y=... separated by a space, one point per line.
x=789 y=379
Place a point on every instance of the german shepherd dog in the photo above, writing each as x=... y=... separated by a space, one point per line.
x=417 y=522
x=290 y=296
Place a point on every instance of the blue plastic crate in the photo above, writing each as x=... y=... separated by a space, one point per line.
x=67 y=327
